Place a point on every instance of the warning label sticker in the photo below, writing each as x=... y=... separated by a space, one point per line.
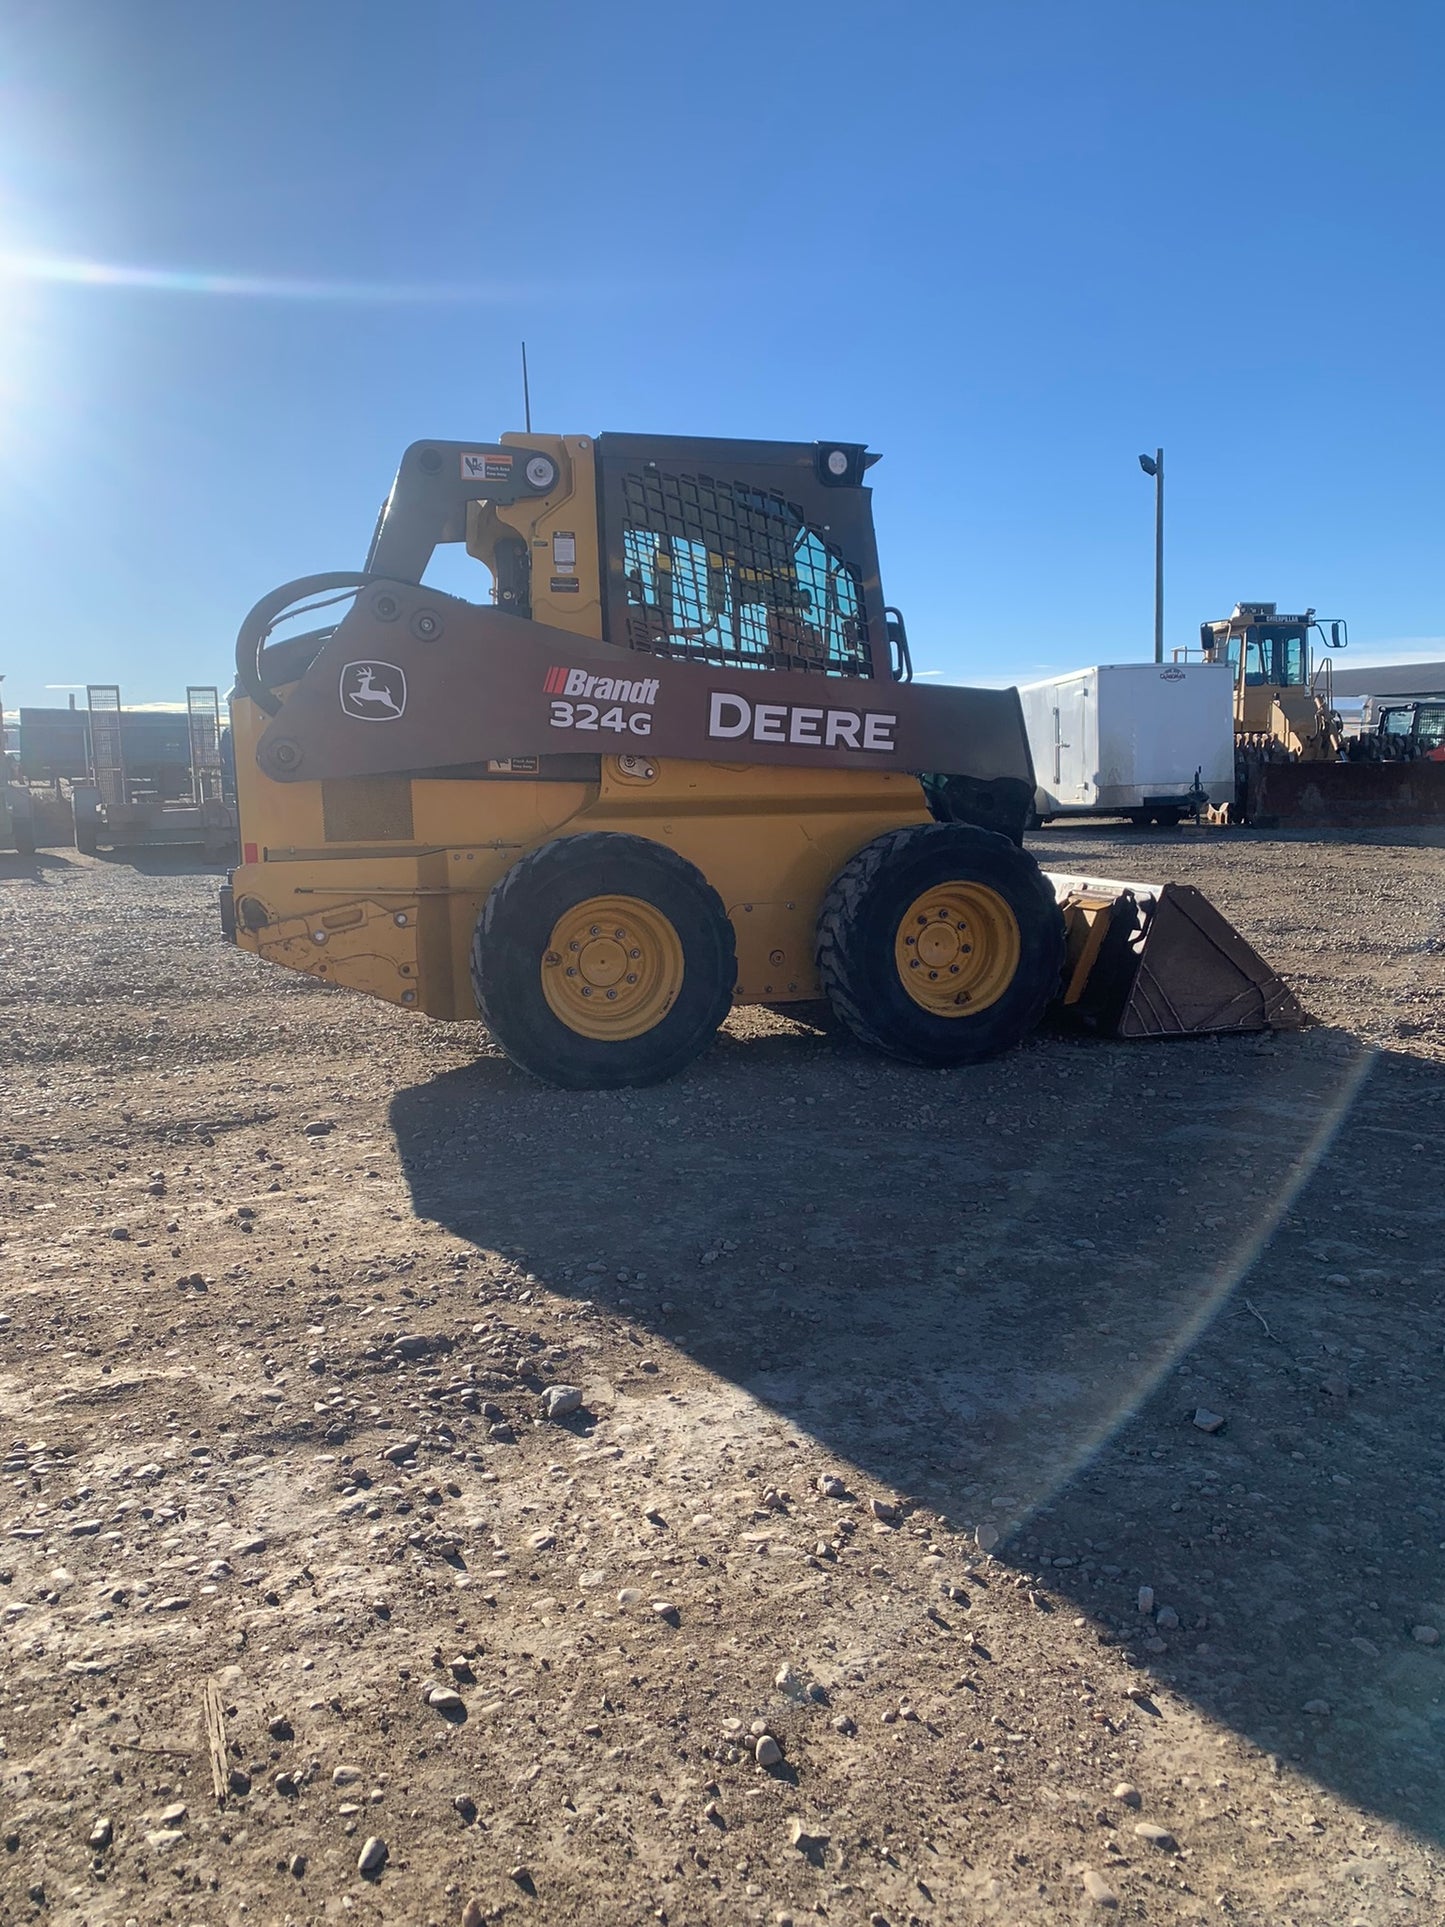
x=486 y=467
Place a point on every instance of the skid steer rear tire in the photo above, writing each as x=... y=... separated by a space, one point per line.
x=991 y=937
x=603 y=960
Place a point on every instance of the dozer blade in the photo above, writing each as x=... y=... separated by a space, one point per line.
x=1344 y=796
x=1158 y=960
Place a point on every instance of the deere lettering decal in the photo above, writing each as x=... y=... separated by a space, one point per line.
x=373 y=692
x=731 y=716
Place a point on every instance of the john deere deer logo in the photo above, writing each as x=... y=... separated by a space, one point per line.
x=373 y=692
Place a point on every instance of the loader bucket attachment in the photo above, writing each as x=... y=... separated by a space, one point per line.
x=1151 y=960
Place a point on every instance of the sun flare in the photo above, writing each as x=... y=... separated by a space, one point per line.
x=17 y=269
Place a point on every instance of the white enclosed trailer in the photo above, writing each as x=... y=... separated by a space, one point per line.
x=1138 y=739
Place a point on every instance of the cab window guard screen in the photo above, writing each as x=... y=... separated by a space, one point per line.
x=726 y=573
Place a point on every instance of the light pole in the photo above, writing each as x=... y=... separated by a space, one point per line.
x=1154 y=465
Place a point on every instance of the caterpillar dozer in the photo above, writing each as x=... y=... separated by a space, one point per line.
x=678 y=762
x=1295 y=766
x=1283 y=698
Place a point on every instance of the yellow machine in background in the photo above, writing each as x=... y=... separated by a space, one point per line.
x=1283 y=697
x=678 y=763
x=1294 y=766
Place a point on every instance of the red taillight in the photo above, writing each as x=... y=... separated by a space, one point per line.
x=250 y=853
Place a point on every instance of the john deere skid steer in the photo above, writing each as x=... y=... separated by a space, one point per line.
x=678 y=763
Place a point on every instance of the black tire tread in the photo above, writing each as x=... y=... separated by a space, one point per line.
x=531 y=870
x=843 y=906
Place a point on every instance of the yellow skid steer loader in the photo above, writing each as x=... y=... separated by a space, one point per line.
x=678 y=763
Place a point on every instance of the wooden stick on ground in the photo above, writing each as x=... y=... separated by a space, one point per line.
x=216 y=1739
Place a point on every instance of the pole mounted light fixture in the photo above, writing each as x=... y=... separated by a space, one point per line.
x=1154 y=465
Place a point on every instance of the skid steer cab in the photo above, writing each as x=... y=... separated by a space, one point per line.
x=676 y=762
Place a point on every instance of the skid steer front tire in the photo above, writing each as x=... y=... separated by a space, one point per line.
x=940 y=944
x=603 y=960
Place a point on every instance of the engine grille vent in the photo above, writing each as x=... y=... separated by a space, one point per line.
x=367 y=809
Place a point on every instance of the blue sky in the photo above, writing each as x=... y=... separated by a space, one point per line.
x=1008 y=244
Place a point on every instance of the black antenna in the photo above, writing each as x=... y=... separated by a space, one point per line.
x=526 y=391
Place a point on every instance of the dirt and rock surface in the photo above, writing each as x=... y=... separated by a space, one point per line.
x=1011 y=1496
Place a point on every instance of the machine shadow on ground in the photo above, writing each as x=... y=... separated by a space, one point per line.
x=50 y=865
x=1005 y=1293
x=40 y=868
x=166 y=862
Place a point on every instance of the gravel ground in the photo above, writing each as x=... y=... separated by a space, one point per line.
x=892 y=1566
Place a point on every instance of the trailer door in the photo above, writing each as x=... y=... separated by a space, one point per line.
x=1076 y=736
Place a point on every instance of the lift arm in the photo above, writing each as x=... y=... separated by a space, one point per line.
x=411 y=680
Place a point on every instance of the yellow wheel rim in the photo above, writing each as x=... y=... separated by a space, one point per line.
x=957 y=949
x=612 y=967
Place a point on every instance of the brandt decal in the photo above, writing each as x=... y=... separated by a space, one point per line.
x=606 y=689
x=373 y=692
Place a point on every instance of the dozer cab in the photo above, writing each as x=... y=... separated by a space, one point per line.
x=678 y=763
